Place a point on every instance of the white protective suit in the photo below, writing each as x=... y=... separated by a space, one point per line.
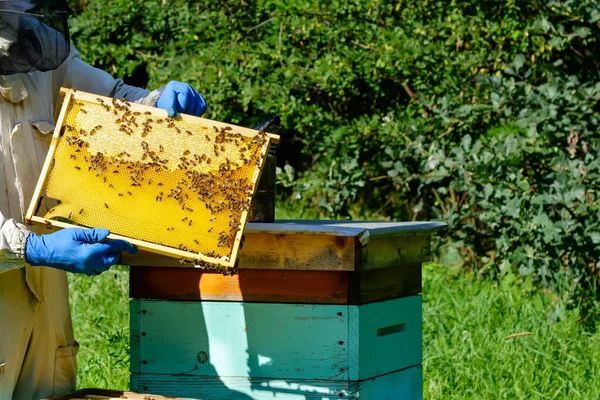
x=37 y=348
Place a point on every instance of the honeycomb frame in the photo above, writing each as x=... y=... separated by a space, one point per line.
x=125 y=147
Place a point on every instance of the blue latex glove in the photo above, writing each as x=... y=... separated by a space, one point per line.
x=82 y=251
x=181 y=97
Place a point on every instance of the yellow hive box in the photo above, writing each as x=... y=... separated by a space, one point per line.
x=180 y=187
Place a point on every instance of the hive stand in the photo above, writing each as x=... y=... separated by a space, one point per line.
x=319 y=310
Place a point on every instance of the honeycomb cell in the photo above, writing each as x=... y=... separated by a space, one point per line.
x=182 y=183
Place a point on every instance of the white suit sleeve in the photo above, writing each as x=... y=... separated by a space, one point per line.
x=75 y=73
x=13 y=237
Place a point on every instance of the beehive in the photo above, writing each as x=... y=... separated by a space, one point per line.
x=180 y=187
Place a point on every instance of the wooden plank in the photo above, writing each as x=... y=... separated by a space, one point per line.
x=384 y=283
x=400 y=385
x=389 y=251
x=251 y=285
x=242 y=339
x=279 y=251
x=387 y=335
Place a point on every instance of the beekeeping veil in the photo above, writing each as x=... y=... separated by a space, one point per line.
x=34 y=35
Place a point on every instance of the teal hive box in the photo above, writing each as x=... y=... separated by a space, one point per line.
x=319 y=310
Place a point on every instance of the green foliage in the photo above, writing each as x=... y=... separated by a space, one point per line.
x=484 y=114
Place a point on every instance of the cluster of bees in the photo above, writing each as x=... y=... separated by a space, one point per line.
x=220 y=189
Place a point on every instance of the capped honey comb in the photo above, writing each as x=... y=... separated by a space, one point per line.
x=175 y=186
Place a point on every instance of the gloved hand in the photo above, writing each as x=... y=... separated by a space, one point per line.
x=83 y=251
x=181 y=97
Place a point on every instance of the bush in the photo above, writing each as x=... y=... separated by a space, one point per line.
x=481 y=113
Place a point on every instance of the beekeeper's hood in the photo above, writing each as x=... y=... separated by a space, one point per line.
x=34 y=35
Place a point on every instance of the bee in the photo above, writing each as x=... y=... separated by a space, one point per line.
x=137 y=113
x=147 y=113
x=81 y=211
x=196 y=241
x=99 y=100
x=211 y=228
x=120 y=194
x=170 y=228
x=184 y=219
x=73 y=156
x=83 y=111
x=188 y=133
x=222 y=148
x=187 y=152
x=106 y=205
x=71 y=213
x=213 y=219
x=177 y=129
x=77 y=168
x=150 y=181
x=110 y=185
x=104 y=179
x=208 y=161
x=116 y=171
x=161 y=148
x=160 y=184
x=129 y=193
x=207 y=138
x=190 y=224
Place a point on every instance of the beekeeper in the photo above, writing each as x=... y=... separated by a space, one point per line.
x=37 y=348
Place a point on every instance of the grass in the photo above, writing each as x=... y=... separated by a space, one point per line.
x=467 y=354
x=100 y=312
x=466 y=321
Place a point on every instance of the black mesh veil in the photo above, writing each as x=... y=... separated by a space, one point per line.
x=34 y=35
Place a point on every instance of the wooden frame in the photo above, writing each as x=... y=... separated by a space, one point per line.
x=72 y=95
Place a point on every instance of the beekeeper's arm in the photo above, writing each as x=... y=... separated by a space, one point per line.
x=77 y=250
x=175 y=97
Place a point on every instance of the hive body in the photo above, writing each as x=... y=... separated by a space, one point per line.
x=319 y=310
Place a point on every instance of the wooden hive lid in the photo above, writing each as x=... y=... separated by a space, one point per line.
x=322 y=245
